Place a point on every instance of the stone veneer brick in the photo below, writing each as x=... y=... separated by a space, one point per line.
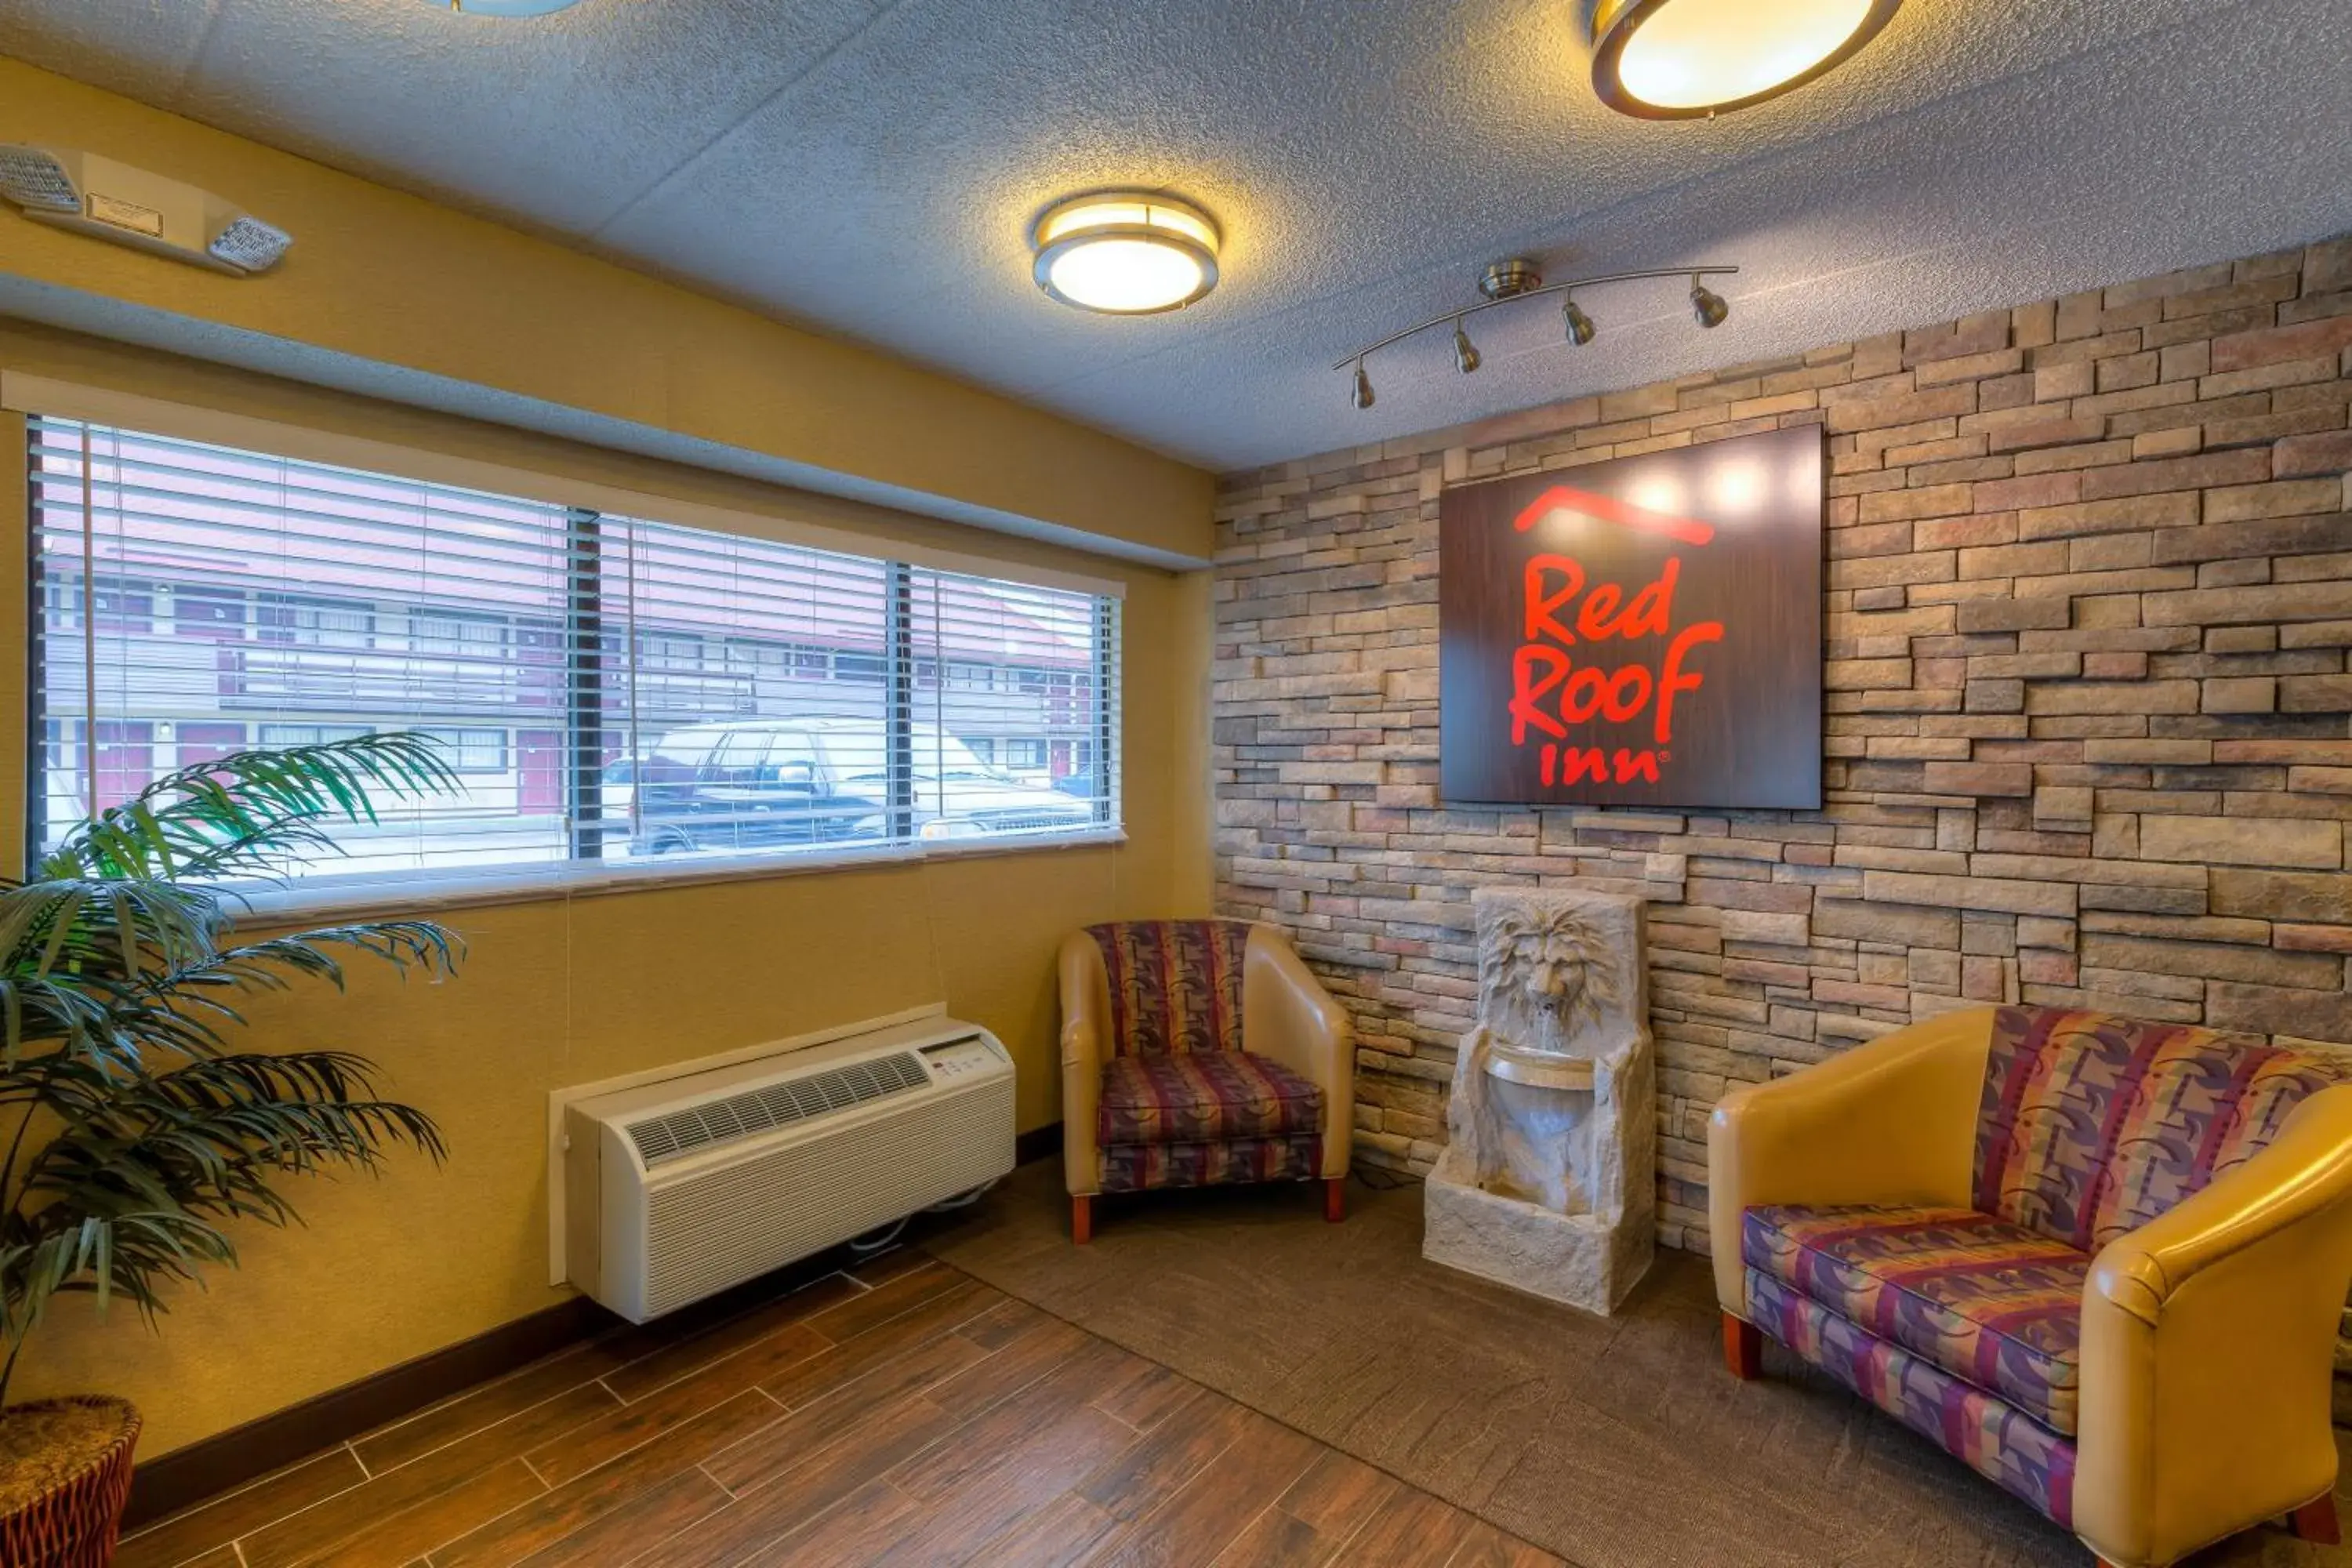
x=2089 y=723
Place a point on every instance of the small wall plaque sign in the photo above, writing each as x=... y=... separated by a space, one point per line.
x=1646 y=631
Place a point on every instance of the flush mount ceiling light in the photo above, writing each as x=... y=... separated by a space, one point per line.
x=1519 y=280
x=1125 y=253
x=1681 y=60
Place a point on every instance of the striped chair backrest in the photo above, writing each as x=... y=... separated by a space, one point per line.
x=1175 y=985
x=2092 y=1124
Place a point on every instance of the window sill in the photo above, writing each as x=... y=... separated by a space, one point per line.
x=375 y=899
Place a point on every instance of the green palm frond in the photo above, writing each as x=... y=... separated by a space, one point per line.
x=133 y=1133
x=228 y=818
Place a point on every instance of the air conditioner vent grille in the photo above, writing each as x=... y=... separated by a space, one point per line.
x=668 y=1136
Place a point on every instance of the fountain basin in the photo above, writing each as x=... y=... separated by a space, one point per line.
x=1582 y=1260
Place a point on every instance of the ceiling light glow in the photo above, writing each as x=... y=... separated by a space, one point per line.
x=1125 y=253
x=1673 y=60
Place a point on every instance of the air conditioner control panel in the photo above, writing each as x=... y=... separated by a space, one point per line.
x=952 y=1061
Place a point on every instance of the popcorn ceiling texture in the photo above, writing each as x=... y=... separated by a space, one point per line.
x=2089 y=592
x=870 y=170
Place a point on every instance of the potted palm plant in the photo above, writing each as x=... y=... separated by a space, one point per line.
x=134 y=1127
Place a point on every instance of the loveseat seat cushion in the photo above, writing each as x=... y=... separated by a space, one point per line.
x=1991 y=1303
x=1989 y=1434
x=1175 y=985
x=2091 y=1125
x=1204 y=1097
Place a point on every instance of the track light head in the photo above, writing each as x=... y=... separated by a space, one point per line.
x=1466 y=353
x=1360 y=395
x=1580 y=330
x=1709 y=307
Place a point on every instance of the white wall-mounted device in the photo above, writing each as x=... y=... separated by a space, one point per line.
x=678 y=1188
x=98 y=196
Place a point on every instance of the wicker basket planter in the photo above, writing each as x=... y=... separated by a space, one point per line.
x=64 y=1474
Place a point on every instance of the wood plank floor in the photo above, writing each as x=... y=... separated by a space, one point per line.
x=902 y=1412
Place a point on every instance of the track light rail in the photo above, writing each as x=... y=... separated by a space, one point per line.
x=1455 y=316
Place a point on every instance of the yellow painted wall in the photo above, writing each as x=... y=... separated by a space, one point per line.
x=560 y=991
x=394 y=279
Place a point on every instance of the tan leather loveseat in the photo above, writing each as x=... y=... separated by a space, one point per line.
x=2102 y=1262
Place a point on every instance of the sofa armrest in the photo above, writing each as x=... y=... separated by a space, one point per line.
x=1086 y=1031
x=1892 y=1120
x=1288 y=1017
x=2209 y=1339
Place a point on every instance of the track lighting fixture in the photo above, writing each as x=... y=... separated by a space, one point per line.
x=1580 y=330
x=1465 y=353
x=1518 y=279
x=1706 y=305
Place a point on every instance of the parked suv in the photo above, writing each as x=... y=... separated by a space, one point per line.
x=754 y=782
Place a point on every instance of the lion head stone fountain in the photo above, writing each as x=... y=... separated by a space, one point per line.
x=1547 y=1183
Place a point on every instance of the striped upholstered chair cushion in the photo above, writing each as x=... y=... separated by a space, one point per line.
x=1992 y=1302
x=1204 y=1096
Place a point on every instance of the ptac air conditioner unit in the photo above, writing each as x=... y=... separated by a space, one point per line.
x=98 y=196
x=681 y=1188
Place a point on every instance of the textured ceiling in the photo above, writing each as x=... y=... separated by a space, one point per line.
x=869 y=169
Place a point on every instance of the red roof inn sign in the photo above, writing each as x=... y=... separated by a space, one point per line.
x=1646 y=631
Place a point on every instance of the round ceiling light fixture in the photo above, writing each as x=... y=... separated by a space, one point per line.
x=1125 y=253
x=1685 y=59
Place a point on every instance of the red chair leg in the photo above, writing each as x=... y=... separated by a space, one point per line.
x=1335 y=1198
x=1082 y=1218
x=2315 y=1521
x=1743 y=1349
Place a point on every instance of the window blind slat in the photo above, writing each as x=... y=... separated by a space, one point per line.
x=606 y=687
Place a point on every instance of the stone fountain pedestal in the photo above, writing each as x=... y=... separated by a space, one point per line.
x=1549 y=1183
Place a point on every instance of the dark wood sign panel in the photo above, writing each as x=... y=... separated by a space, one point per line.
x=1646 y=631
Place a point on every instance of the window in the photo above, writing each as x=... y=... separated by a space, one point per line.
x=124 y=608
x=1015 y=658
x=312 y=623
x=447 y=632
x=207 y=741
x=473 y=750
x=607 y=689
x=199 y=612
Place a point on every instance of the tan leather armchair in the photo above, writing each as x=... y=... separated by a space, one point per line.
x=2174 y=1387
x=1214 y=1056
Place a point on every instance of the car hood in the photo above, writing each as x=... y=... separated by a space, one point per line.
x=963 y=797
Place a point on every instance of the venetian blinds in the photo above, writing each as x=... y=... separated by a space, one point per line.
x=608 y=688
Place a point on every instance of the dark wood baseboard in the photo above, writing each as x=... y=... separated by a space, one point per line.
x=229 y=1459
x=226 y=1460
x=1038 y=1143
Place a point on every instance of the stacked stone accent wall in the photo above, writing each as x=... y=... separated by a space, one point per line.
x=2089 y=593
